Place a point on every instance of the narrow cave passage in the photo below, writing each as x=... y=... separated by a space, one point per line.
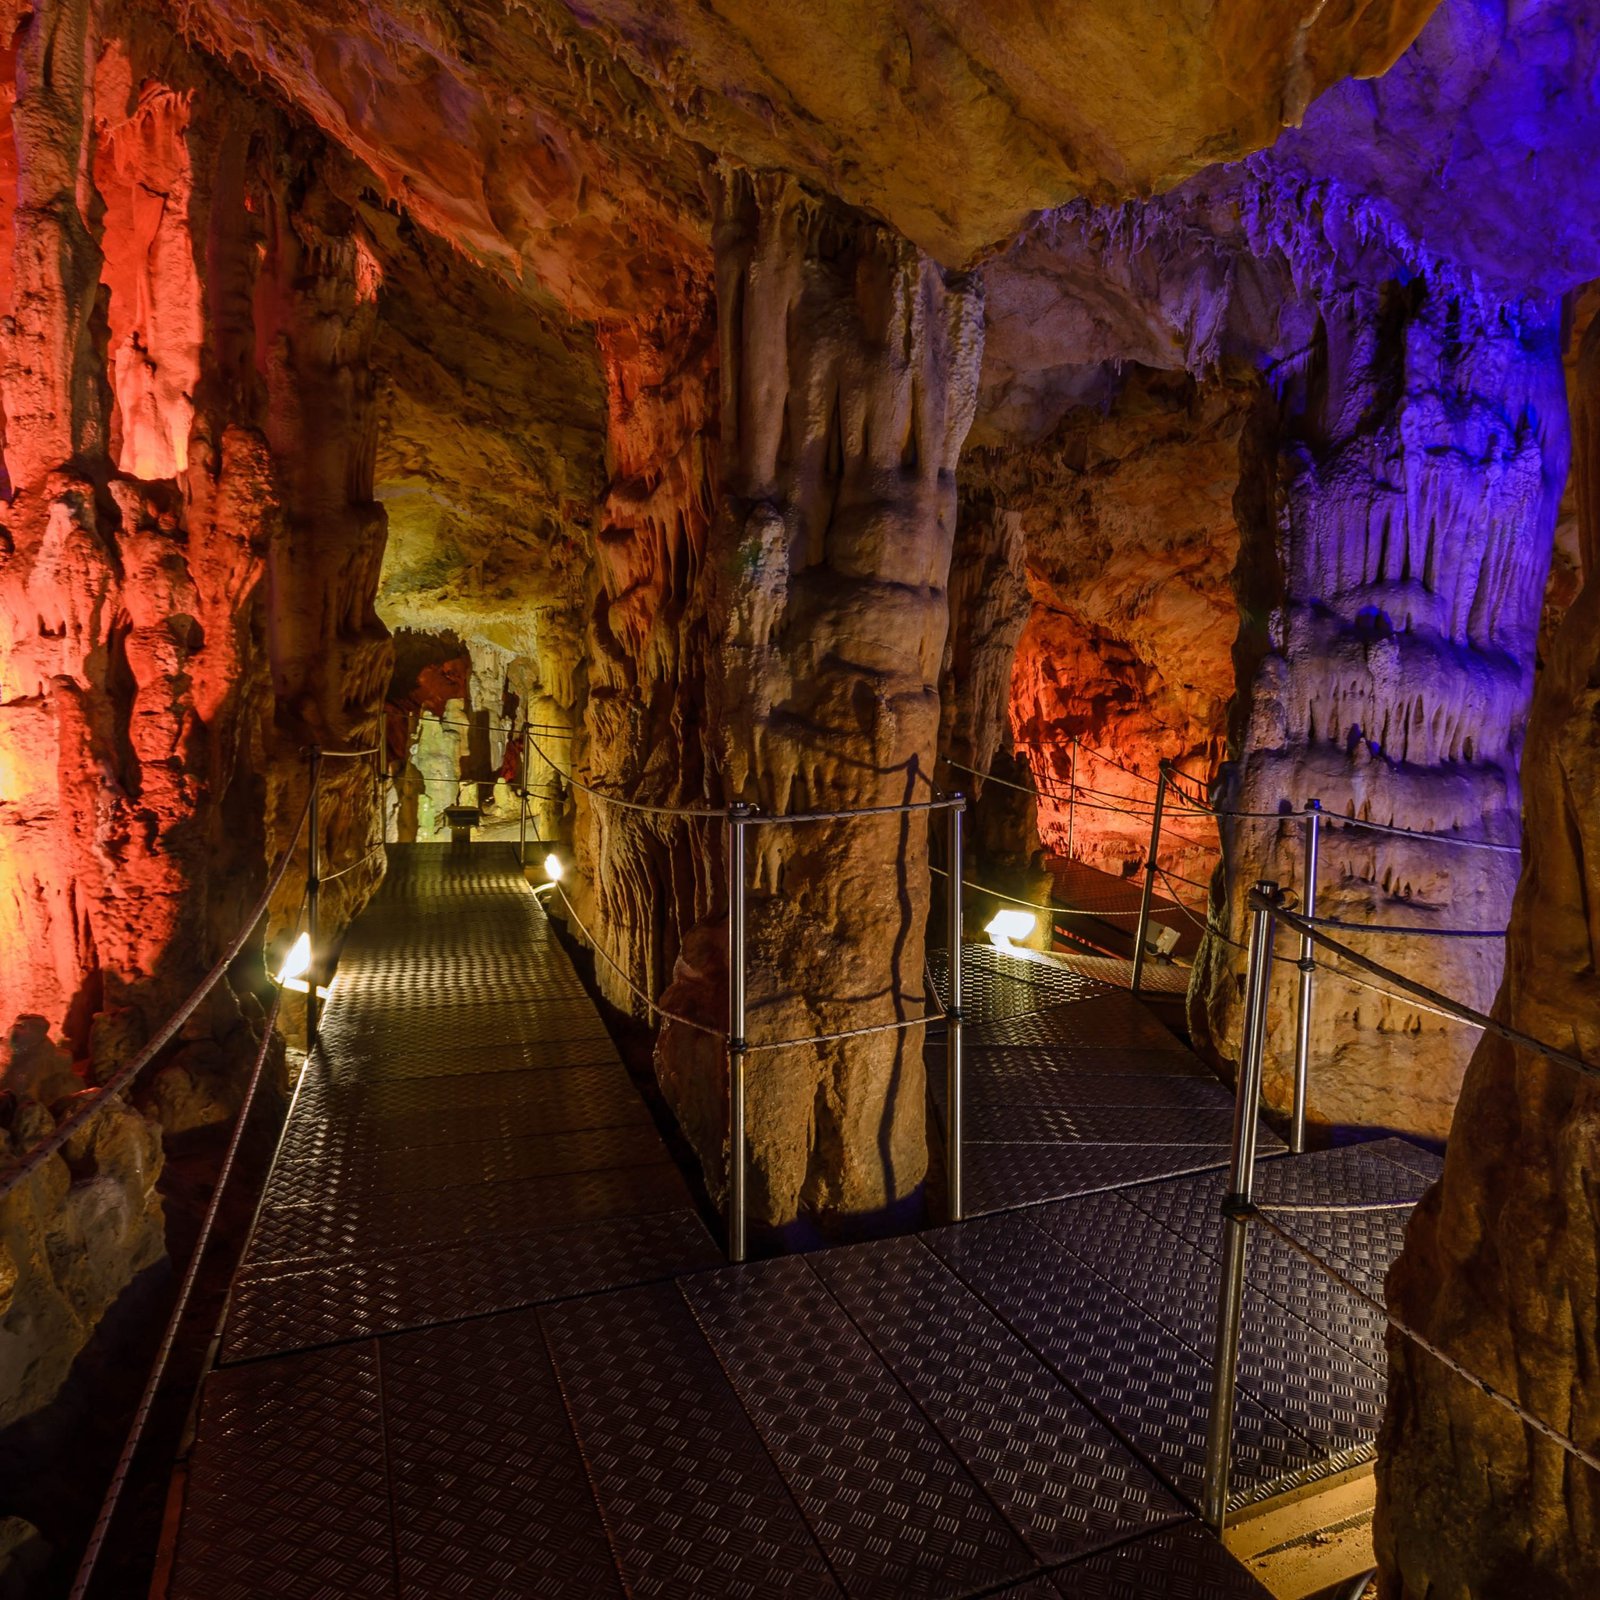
x=797 y=804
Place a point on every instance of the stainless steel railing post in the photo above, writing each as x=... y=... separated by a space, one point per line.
x=1308 y=966
x=522 y=802
x=1072 y=798
x=313 y=893
x=1149 y=879
x=1236 y=1207
x=953 y=1014
x=738 y=816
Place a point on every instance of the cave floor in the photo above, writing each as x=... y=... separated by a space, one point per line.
x=481 y=1343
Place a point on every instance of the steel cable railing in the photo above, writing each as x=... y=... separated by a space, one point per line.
x=1240 y=1207
x=169 y=1337
x=738 y=817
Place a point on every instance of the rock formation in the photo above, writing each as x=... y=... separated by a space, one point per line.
x=186 y=577
x=1499 y=1263
x=1396 y=556
x=849 y=366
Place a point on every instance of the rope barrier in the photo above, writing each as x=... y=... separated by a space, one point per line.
x=1417 y=833
x=1051 y=910
x=847 y=1033
x=1137 y=809
x=350 y=755
x=701 y=813
x=616 y=967
x=1339 y=1210
x=1391 y=927
x=721 y=1033
x=1570 y=1446
x=31 y=1160
x=1389 y=994
x=360 y=861
x=761 y=819
x=1421 y=991
x=169 y=1338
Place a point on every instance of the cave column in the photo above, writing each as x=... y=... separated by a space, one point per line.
x=645 y=879
x=1397 y=506
x=316 y=311
x=849 y=367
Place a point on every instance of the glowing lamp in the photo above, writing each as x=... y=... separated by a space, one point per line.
x=553 y=868
x=298 y=961
x=294 y=974
x=1007 y=925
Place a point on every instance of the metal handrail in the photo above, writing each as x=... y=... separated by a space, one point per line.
x=1456 y=1008
x=1239 y=1208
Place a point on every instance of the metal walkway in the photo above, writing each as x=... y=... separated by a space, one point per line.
x=430 y=1385
x=1073 y=1086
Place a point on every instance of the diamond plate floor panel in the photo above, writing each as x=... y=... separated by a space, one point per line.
x=1062 y=1480
x=288 y=1306
x=891 y=1504
x=288 y=1483
x=693 y=1502
x=1293 y=1369
x=1151 y=1388
x=490 y=1497
x=1002 y=1176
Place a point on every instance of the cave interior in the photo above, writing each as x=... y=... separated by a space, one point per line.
x=539 y=424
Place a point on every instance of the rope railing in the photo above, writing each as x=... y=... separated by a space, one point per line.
x=1529 y=1419
x=1032 y=905
x=752 y=1047
x=350 y=755
x=169 y=1337
x=1407 y=928
x=1240 y=1207
x=30 y=1161
x=1459 y=1009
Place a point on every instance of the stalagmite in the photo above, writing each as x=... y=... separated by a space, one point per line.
x=1499 y=1264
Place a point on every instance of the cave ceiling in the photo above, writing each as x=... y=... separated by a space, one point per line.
x=1143 y=183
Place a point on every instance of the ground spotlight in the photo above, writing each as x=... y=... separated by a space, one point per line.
x=1006 y=926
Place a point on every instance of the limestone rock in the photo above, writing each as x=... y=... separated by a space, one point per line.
x=71 y=1239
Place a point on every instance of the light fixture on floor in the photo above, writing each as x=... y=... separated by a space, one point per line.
x=296 y=965
x=553 y=868
x=1006 y=926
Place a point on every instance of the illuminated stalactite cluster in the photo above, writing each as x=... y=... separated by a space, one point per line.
x=1397 y=542
x=186 y=531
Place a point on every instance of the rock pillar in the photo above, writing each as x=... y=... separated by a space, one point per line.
x=1396 y=507
x=849 y=366
x=645 y=879
x=1499 y=1266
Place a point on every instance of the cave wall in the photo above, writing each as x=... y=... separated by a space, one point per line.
x=1125 y=659
x=188 y=527
x=1398 y=530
